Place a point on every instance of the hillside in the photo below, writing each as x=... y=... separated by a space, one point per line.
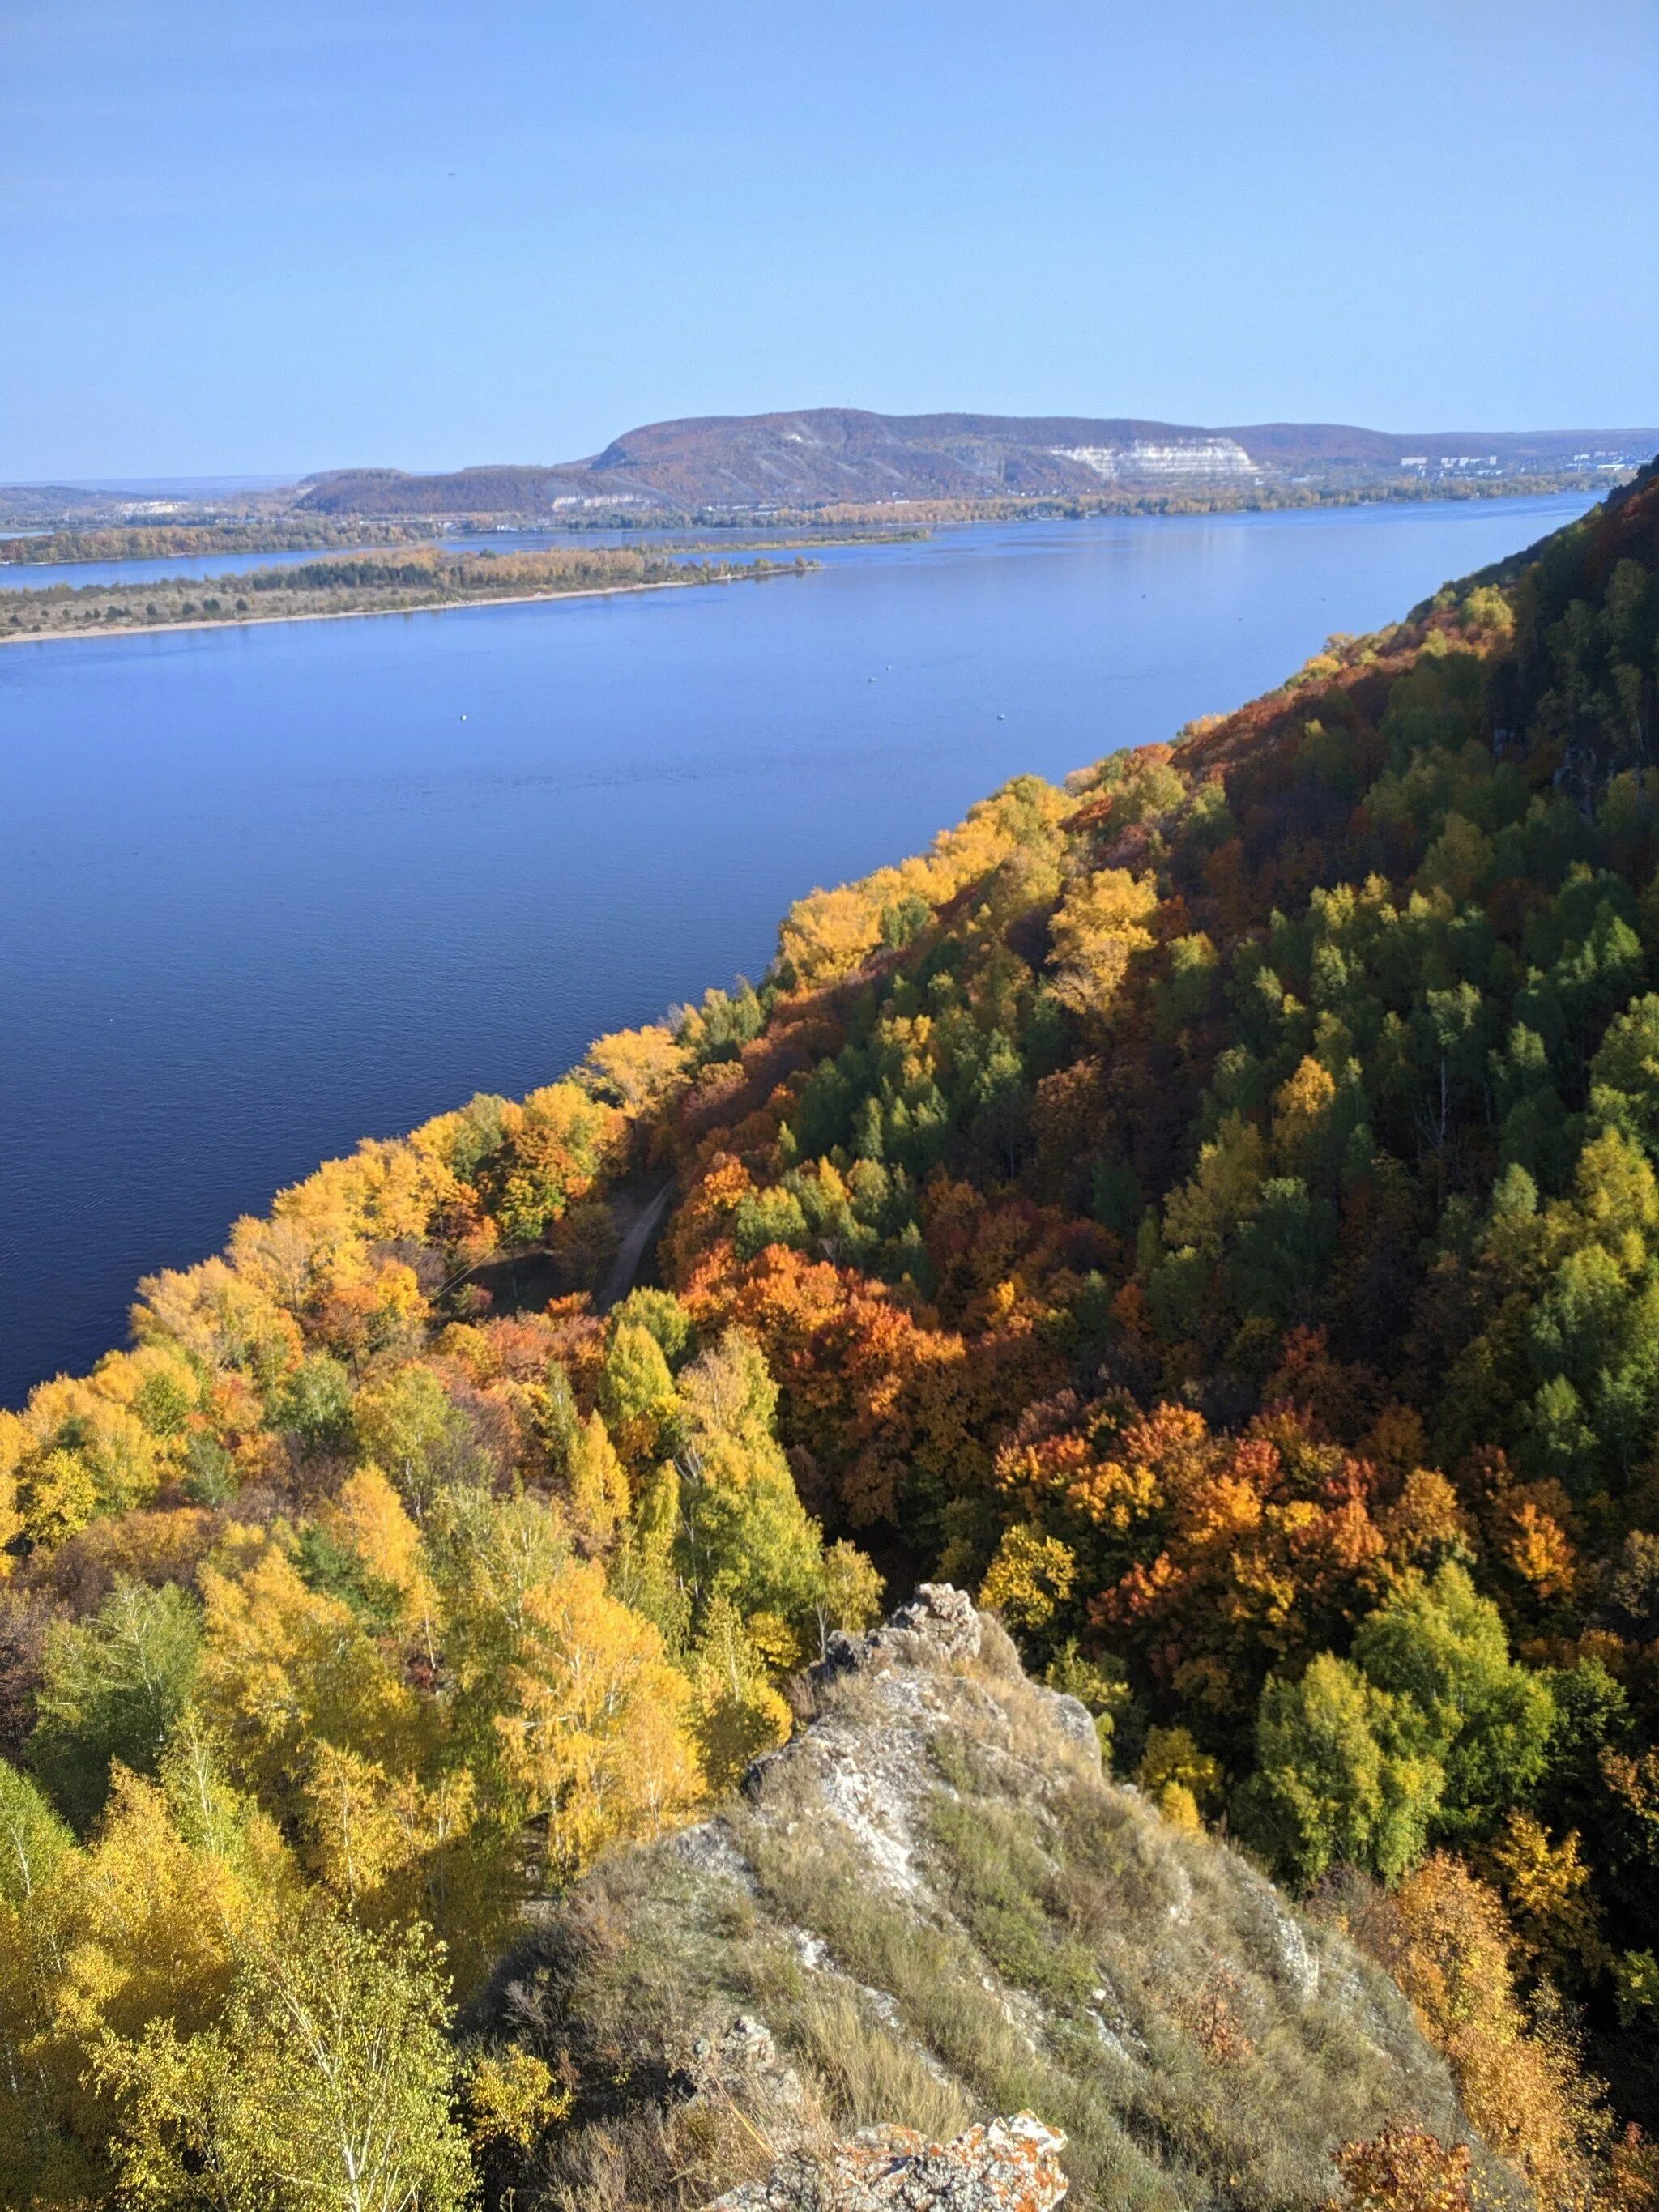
x=1213 y=1211
x=931 y=1906
x=831 y=454
x=1209 y=1213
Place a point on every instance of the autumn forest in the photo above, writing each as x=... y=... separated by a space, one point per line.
x=1209 y=1211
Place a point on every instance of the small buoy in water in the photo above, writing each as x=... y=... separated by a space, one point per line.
x=463 y=717
x=1002 y=718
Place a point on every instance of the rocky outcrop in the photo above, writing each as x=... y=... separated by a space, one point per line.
x=930 y=1907
x=941 y=1625
x=1004 y=2166
x=1143 y=461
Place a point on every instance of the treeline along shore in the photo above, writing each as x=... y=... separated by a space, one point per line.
x=375 y=584
x=174 y=541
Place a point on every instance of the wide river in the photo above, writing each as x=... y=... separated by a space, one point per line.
x=265 y=891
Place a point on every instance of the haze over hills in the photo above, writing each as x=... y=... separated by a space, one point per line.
x=823 y=455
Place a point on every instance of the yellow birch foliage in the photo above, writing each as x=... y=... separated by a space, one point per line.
x=1405 y=2170
x=397 y=1849
x=138 y=1927
x=1223 y=1192
x=1030 y=1575
x=1100 y=925
x=328 y=2081
x=14 y=1443
x=283 y=1666
x=1444 y=1937
x=1173 y=1761
x=635 y=1067
x=369 y=1520
x=593 y=1737
x=1547 y=1888
x=598 y=1485
x=81 y=1448
x=829 y=933
x=1301 y=1106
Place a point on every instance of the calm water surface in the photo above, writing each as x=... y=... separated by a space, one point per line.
x=265 y=891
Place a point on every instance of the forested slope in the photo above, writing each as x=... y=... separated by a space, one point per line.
x=1209 y=1211
x=1212 y=1210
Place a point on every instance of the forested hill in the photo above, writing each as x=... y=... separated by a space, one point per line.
x=827 y=454
x=1210 y=1211
x=1213 y=1211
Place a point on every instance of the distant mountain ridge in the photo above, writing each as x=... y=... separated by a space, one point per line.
x=821 y=455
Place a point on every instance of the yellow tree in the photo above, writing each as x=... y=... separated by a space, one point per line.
x=634 y=1067
x=1030 y=1575
x=1100 y=925
x=141 y=1927
x=594 y=1729
x=598 y=1485
x=284 y=1667
x=326 y=2082
x=1443 y=1937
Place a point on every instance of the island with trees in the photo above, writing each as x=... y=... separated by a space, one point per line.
x=384 y=582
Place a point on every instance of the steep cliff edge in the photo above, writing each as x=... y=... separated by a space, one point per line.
x=930 y=1908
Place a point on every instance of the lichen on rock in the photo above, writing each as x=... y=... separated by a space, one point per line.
x=998 y=2166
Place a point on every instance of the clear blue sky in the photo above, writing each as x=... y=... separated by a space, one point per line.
x=263 y=236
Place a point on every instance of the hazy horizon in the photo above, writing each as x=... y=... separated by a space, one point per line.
x=276 y=479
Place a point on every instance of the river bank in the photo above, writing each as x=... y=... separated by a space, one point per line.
x=264 y=892
x=762 y=572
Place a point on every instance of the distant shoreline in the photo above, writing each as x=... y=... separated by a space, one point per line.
x=753 y=574
x=364 y=613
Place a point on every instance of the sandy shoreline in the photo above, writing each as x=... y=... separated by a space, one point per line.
x=364 y=613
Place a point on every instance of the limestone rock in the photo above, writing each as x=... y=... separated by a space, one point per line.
x=939 y=1624
x=1000 y=2165
x=1074 y=1719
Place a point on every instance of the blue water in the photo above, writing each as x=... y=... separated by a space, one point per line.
x=265 y=891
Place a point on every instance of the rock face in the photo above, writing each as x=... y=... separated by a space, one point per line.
x=931 y=1908
x=939 y=1624
x=1004 y=2166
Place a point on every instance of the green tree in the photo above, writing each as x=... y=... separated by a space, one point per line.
x=1437 y=1649
x=636 y=1391
x=32 y=1837
x=112 y=1688
x=643 y=1573
x=1283 y=1253
x=850 y=1596
x=1625 y=1075
x=1335 y=1783
x=662 y=1313
x=314 y=1405
x=746 y=1536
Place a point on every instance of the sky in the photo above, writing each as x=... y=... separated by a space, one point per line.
x=245 y=238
